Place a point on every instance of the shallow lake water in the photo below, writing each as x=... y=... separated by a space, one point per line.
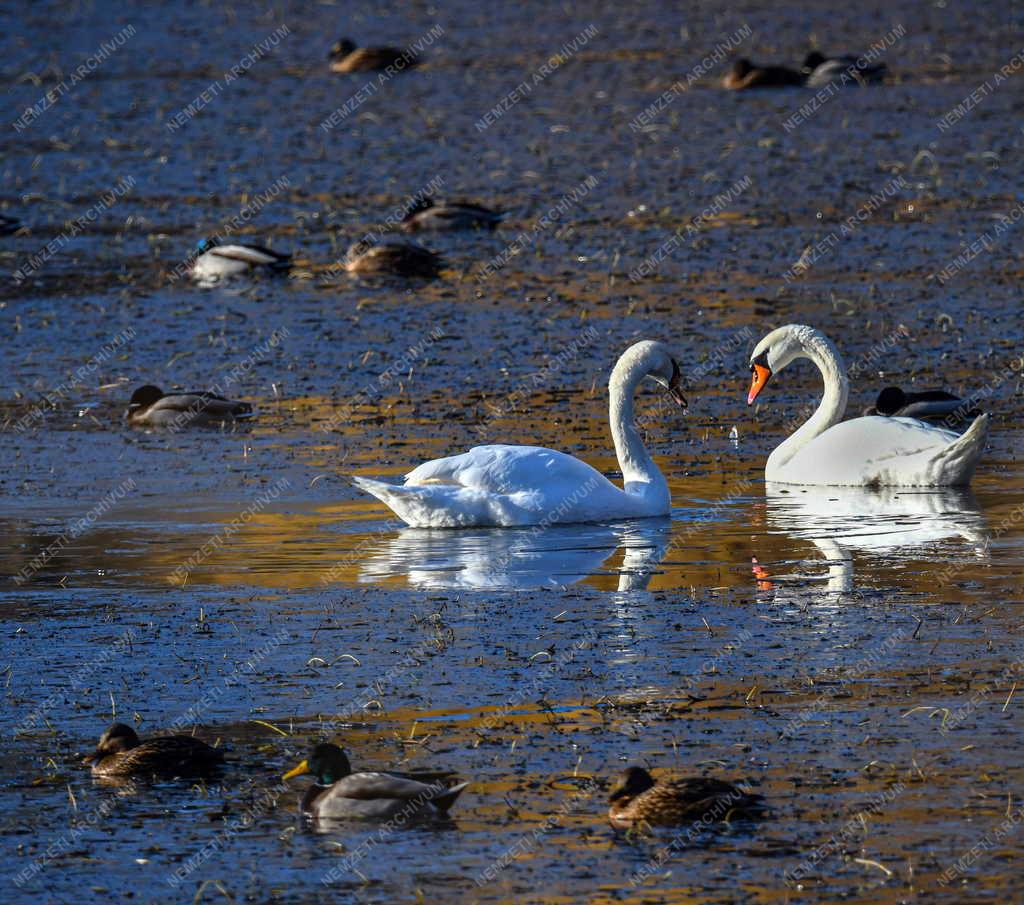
x=853 y=654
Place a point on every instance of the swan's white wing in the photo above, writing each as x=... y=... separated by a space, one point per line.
x=881 y=451
x=507 y=469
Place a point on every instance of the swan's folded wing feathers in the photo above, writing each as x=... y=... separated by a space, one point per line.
x=505 y=469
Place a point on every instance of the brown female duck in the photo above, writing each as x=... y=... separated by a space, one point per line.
x=403 y=259
x=745 y=74
x=121 y=753
x=638 y=799
x=345 y=56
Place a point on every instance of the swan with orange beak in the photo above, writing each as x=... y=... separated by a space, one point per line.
x=867 y=452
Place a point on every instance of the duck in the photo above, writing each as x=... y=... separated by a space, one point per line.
x=152 y=407
x=339 y=794
x=120 y=752
x=928 y=405
x=820 y=70
x=426 y=214
x=402 y=259
x=215 y=261
x=871 y=451
x=9 y=225
x=346 y=56
x=745 y=74
x=638 y=800
x=510 y=486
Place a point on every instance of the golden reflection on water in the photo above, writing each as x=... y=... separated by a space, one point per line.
x=834 y=540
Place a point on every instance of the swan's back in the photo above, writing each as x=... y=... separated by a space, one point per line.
x=881 y=451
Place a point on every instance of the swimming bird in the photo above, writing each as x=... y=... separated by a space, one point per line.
x=121 y=753
x=867 y=452
x=9 y=225
x=426 y=214
x=638 y=800
x=215 y=261
x=504 y=485
x=339 y=794
x=936 y=406
x=345 y=56
x=403 y=259
x=745 y=74
x=820 y=70
x=152 y=407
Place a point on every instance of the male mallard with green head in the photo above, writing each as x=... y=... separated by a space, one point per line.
x=638 y=799
x=340 y=794
x=152 y=407
x=121 y=753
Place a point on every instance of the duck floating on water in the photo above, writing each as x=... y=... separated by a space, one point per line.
x=936 y=406
x=215 y=261
x=638 y=800
x=427 y=214
x=403 y=259
x=745 y=74
x=346 y=56
x=152 y=407
x=340 y=794
x=120 y=752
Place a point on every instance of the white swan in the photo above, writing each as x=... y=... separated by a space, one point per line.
x=870 y=451
x=530 y=485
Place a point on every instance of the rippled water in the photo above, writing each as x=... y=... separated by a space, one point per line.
x=854 y=654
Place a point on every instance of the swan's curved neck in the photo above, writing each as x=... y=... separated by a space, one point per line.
x=819 y=349
x=639 y=473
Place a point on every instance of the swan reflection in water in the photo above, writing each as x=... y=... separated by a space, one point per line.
x=534 y=557
x=840 y=520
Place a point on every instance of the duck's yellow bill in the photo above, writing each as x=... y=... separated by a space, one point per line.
x=297 y=771
x=759 y=377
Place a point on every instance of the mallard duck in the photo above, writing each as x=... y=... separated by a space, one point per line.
x=638 y=800
x=929 y=405
x=745 y=74
x=426 y=214
x=215 y=261
x=403 y=259
x=345 y=56
x=9 y=225
x=121 y=753
x=820 y=70
x=340 y=794
x=152 y=407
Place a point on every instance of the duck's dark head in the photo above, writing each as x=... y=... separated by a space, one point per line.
x=633 y=781
x=118 y=738
x=144 y=397
x=741 y=67
x=328 y=763
x=890 y=401
x=205 y=244
x=341 y=49
x=813 y=60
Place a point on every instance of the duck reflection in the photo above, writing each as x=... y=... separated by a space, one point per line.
x=519 y=558
x=839 y=520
